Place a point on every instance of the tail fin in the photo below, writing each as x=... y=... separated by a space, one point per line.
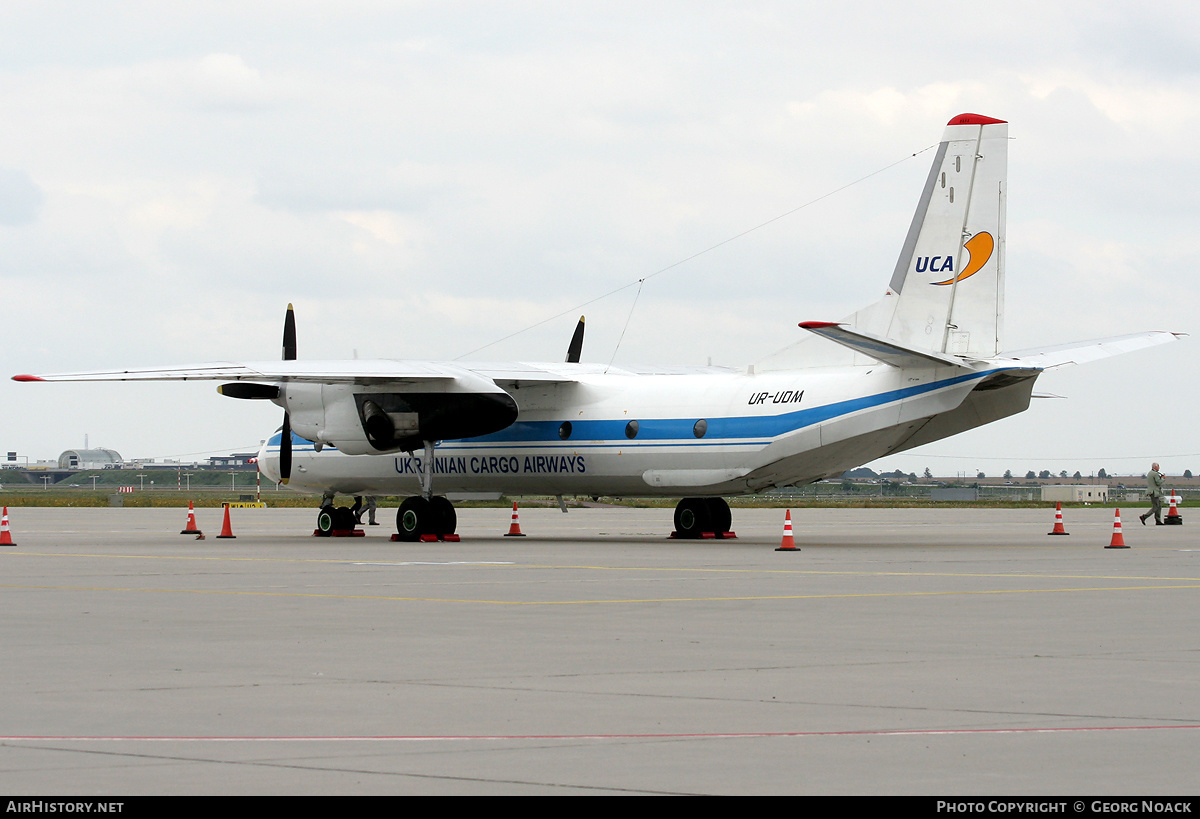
x=947 y=291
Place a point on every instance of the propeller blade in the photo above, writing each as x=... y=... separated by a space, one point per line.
x=285 y=451
x=289 y=335
x=285 y=439
x=575 y=348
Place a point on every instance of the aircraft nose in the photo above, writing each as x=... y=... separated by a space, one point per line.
x=268 y=460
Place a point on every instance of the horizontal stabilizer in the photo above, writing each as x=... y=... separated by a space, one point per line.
x=881 y=349
x=1081 y=352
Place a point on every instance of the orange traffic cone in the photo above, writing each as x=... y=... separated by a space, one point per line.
x=191 y=528
x=5 y=535
x=788 y=544
x=226 y=530
x=1173 y=517
x=514 y=529
x=1058 y=521
x=1118 y=539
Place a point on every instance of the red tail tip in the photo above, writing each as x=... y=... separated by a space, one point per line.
x=975 y=119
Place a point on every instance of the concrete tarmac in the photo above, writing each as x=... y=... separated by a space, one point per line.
x=930 y=651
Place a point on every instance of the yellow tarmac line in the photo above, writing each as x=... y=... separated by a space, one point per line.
x=740 y=598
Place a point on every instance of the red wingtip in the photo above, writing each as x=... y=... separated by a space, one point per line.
x=816 y=325
x=27 y=378
x=974 y=119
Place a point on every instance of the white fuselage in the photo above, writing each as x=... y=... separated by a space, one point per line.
x=704 y=433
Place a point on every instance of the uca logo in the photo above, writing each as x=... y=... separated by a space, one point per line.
x=979 y=247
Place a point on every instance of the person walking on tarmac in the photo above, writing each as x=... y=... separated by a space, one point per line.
x=358 y=509
x=1154 y=489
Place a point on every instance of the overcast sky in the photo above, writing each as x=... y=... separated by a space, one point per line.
x=423 y=179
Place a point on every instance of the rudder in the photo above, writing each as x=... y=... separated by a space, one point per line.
x=947 y=291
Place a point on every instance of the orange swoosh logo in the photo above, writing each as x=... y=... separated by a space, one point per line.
x=980 y=246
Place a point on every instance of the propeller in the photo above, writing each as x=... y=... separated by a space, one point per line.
x=285 y=437
x=575 y=348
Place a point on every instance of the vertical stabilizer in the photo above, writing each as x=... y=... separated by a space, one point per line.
x=947 y=291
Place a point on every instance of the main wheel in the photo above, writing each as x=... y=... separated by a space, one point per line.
x=343 y=519
x=325 y=520
x=692 y=516
x=444 y=518
x=719 y=514
x=414 y=518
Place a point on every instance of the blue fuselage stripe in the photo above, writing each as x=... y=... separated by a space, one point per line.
x=727 y=429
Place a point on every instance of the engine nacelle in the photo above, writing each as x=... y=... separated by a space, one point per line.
x=378 y=418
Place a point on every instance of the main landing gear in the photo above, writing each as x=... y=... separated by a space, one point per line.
x=426 y=516
x=703 y=518
x=422 y=518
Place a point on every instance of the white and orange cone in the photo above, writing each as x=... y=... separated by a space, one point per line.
x=191 y=528
x=1059 y=529
x=226 y=530
x=1173 y=517
x=5 y=535
x=514 y=528
x=788 y=544
x=1118 y=539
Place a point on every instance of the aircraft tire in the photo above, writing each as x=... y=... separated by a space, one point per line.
x=692 y=516
x=343 y=519
x=444 y=518
x=719 y=514
x=414 y=518
x=325 y=520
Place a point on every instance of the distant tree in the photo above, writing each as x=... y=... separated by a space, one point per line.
x=1030 y=474
x=1008 y=474
x=1077 y=475
x=1062 y=474
x=929 y=474
x=1045 y=473
x=1187 y=473
x=1102 y=474
x=912 y=476
x=981 y=475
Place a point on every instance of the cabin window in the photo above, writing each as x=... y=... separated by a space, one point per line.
x=564 y=430
x=700 y=428
x=631 y=429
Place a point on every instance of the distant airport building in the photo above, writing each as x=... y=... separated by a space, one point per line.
x=1076 y=493
x=89 y=459
x=238 y=460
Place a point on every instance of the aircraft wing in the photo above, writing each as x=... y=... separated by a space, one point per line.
x=1081 y=352
x=355 y=371
x=320 y=372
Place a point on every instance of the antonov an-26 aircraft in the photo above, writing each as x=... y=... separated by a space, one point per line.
x=926 y=363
